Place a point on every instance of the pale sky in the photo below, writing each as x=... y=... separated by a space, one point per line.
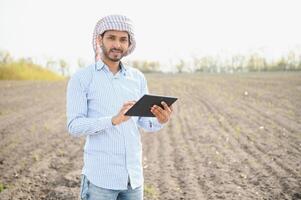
x=165 y=29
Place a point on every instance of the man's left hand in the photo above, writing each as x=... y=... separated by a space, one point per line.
x=163 y=115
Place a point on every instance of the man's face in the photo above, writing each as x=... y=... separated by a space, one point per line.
x=114 y=44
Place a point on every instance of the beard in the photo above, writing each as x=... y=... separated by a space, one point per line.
x=113 y=54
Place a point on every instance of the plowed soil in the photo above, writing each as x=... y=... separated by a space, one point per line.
x=230 y=137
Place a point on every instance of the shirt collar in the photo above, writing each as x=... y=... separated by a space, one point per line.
x=100 y=65
x=123 y=67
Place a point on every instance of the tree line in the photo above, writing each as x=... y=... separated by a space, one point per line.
x=254 y=62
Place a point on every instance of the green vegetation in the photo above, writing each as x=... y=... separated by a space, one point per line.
x=145 y=66
x=245 y=63
x=24 y=69
x=254 y=62
x=2 y=187
x=150 y=191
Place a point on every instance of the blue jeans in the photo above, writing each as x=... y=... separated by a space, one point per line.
x=89 y=191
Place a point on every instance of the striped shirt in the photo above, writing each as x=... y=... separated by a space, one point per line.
x=112 y=154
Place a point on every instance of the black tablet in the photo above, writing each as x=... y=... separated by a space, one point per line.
x=143 y=106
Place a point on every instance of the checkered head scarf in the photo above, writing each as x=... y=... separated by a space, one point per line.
x=113 y=22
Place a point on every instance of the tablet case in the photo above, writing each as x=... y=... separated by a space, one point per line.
x=142 y=107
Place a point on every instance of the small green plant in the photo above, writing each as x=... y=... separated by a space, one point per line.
x=237 y=130
x=2 y=187
x=150 y=191
x=33 y=128
x=46 y=127
x=35 y=157
x=60 y=153
x=210 y=118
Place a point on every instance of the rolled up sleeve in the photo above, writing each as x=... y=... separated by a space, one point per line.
x=149 y=124
x=77 y=121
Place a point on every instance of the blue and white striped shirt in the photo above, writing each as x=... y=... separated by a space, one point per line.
x=112 y=154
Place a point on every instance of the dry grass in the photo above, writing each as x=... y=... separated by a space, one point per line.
x=26 y=71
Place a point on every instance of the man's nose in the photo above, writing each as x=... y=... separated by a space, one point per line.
x=116 y=44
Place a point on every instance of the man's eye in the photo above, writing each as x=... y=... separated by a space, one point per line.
x=124 y=40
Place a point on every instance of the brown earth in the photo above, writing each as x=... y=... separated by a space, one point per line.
x=231 y=137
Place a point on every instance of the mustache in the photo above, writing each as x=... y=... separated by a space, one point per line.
x=115 y=49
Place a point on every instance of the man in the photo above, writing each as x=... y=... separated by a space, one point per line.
x=98 y=96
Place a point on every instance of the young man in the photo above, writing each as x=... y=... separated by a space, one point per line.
x=97 y=98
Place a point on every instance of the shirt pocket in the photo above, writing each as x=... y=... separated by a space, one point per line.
x=101 y=101
x=130 y=89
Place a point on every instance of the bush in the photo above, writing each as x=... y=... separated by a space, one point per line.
x=21 y=70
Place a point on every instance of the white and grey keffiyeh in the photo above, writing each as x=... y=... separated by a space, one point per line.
x=113 y=22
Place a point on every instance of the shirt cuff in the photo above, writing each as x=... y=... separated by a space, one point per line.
x=156 y=123
x=105 y=122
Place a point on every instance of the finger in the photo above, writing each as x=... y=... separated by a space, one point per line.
x=128 y=106
x=155 y=110
x=159 y=112
x=129 y=103
x=162 y=111
x=166 y=107
x=171 y=108
x=160 y=117
x=124 y=109
x=165 y=113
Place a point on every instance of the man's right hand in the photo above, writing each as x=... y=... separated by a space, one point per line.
x=120 y=117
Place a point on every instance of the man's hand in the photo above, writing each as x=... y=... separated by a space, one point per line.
x=163 y=115
x=120 y=117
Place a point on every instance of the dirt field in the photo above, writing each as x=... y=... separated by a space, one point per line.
x=231 y=137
